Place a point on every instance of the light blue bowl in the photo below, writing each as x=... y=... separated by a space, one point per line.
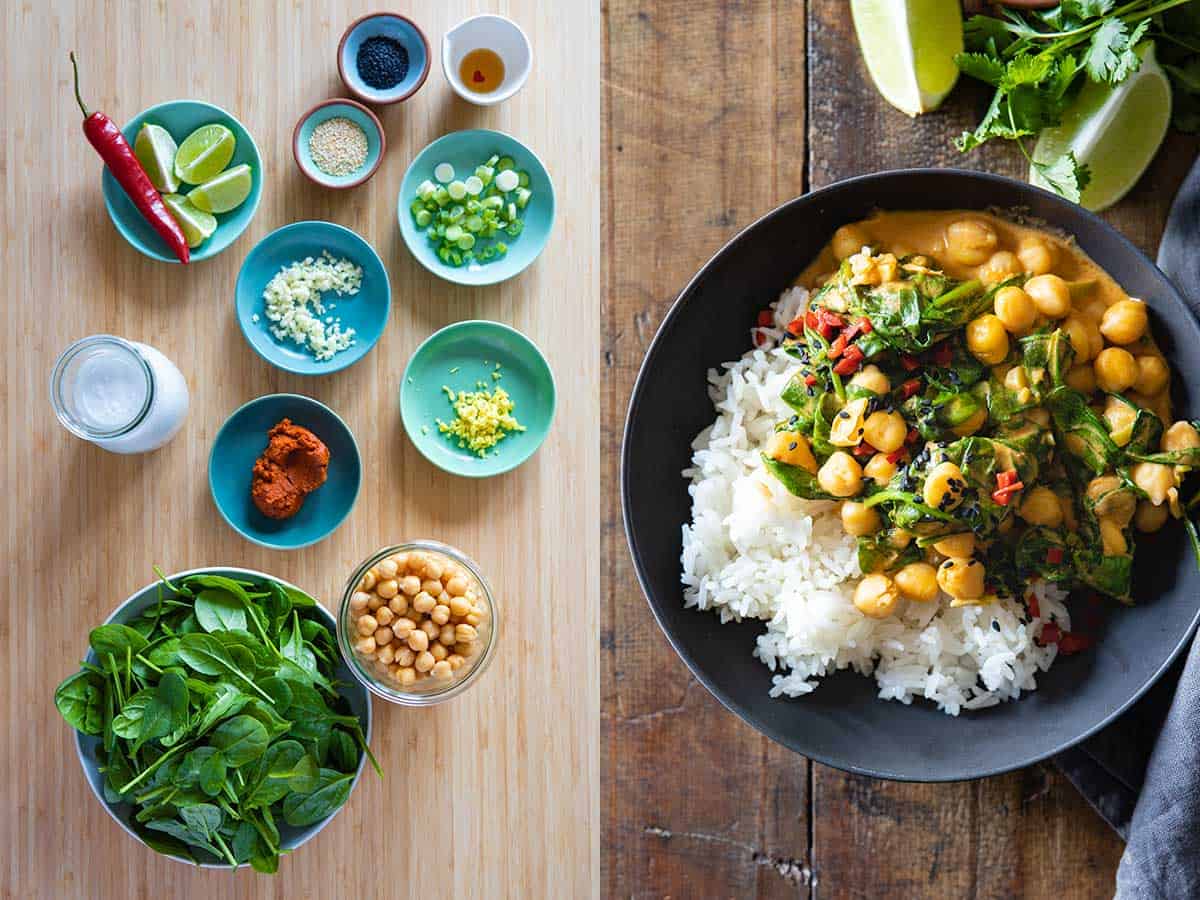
x=355 y=112
x=457 y=357
x=242 y=440
x=397 y=27
x=366 y=312
x=465 y=150
x=349 y=688
x=181 y=118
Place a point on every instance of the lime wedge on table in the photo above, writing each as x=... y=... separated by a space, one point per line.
x=1115 y=131
x=197 y=225
x=909 y=48
x=225 y=192
x=204 y=153
x=155 y=150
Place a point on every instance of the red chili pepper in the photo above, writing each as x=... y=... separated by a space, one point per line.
x=810 y=380
x=1051 y=634
x=1054 y=556
x=864 y=449
x=1006 y=485
x=864 y=325
x=765 y=318
x=942 y=354
x=828 y=323
x=910 y=387
x=811 y=320
x=910 y=363
x=1074 y=642
x=838 y=345
x=850 y=361
x=106 y=137
x=895 y=456
x=1035 y=608
x=796 y=327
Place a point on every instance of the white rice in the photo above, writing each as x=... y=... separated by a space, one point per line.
x=753 y=550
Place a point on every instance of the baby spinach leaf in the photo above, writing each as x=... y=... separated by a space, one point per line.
x=305 y=809
x=219 y=610
x=207 y=655
x=165 y=710
x=204 y=767
x=290 y=762
x=182 y=832
x=343 y=752
x=799 y=481
x=115 y=640
x=80 y=700
x=240 y=739
x=128 y=723
x=203 y=819
x=228 y=700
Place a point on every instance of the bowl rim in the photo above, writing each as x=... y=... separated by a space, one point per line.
x=635 y=397
x=212 y=455
x=519 y=459
x=455 y=82
x=255 y=193
x=334 y=364
x=449 y=273
x=408 y=698
x=332 y=622
x=313 y=176
x=399 y=98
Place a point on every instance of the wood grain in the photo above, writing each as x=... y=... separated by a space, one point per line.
x=694 y=801
x=494 y=794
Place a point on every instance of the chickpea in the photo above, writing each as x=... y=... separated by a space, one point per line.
x=431 y=629
x=970 y=241
x=1041 y=507
x=456 y=661
x=1015 y=309
x=407 y=676
x=841 y=475
x=432 y=588
x=438 y=650
x=387 y=653
x=374 y=603
x=792 y=448
x=961 y=578
x=359 y=601
x=848 y=240
x=918 y=581
x=365 y=646
x=433 y=568
x=1111 y=500
x=459 y=606
x=1156 y=479
x=1124 y=322
x=876 y=596
x=401 y=561
x=465 y=650
x=405 y=657
x=418 y=641
x=423 y=603
x=972 y=423
x=366 y=624
x=944 y=487
x=1148 y=517
x=403 y=626
x=1079 y=335
x=1112 y=538
x=465 y=633
x=1120 y=418
x=1158 y=405
x=987 y=339
x=1180 y=436
x=411 y=585
x=1116 y=370
x=1036 y=256
x=398 y=605
x=440 y=614
x=368 y=580
x=1050 y=294
x=1091 y=310
x=441 y=669
x=1001 y=266
x=387 y=589
x=879 y=470
x=383 y=636
x=424 y=661
x=961 y=544
x=872 y=379
x=859 y=519
x=1082 y=378
x=456 y=586
x=885 y=431
x=1153 y=375
x=388 y=568
x=384 y=616
x=447 y=636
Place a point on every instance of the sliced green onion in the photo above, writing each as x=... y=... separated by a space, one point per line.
x=466 y=242
x=426 y=189
x=453 y=233
x=523 y=179
x=457 y=190
x=505 y=163
x=443 y=172
x=523 y=195
x=441 y=196
x=507 y=180
x=474 y=186
x=424 y=217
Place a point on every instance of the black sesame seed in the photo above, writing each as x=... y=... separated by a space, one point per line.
x=995 y=625
x=843 y=415
x=792 y=445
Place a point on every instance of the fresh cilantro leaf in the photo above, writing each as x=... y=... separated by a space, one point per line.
x=1066 y=176
x=1082 y=10
x=982 y=33
x=1110 y=56
x=981 y=66
x=1064 y=75
x=1129 y=62
x=1026 y=69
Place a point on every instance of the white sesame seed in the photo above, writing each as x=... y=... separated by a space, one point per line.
x=338 y=146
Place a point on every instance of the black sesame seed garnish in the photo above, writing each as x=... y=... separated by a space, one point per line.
x=843 y=415
x=792 y=445
x=995 y=625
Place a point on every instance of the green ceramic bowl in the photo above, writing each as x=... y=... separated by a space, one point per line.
x=181 y=118
x=465 y=150
x=457 y=357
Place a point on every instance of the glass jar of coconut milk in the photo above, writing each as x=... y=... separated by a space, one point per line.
x=121 y=395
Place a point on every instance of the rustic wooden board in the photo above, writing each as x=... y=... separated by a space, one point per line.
x=693 y=798
x=493 y=794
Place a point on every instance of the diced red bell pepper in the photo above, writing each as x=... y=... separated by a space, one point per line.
x=796 y=327
x=1006 y=485
x=810 y=380
x=1051 y=634
x=765 y=318
x=829 y=323
x=895 y=456
x=850 y=361
x=838 y=345
x=910 y=387
x=864 y=449
x=1035 y=608
x=1054 y=555
x=910 y=363
x=864 y=325
x=1074 y=642
x=811 y=320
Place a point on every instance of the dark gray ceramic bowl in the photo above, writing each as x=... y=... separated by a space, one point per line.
x=842 y=724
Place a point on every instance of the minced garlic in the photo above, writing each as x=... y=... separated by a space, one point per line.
x=294 y=306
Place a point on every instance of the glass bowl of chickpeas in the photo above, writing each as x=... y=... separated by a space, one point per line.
x=418 y=623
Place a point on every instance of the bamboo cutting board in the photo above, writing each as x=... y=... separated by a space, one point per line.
x=493 y=794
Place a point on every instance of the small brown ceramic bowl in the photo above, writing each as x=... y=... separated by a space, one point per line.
x=333 y=109
x=403 y=31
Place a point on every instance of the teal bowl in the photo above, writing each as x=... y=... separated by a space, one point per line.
x=366 y=312
x=332 y=109
x=181 y=118
x=465 y=150
x=242 y=440
x=458 y=357
x=86 y=745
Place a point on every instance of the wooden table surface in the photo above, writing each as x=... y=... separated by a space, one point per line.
x=493 y=794
x=713 y=113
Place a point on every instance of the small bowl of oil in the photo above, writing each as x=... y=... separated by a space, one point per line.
x=486 y=59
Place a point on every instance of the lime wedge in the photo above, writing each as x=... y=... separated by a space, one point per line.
x=225 y=192
x=197 y=225
x=204 y=153
x=1115 y=131
x=155 y=150
x=909 y=48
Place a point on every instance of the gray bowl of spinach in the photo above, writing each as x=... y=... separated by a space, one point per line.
x=216 y=720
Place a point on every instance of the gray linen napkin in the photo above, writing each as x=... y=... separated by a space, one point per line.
x=1142 y=774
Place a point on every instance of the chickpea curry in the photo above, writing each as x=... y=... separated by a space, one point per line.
x=988 y=405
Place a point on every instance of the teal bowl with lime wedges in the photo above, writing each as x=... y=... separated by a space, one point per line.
x=498 y=378
x=208 y=169
x=476 y=207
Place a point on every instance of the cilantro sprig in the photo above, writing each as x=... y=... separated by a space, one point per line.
x=1037 y=61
